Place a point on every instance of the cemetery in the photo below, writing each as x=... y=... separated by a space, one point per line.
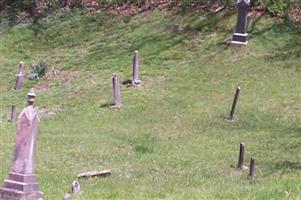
x=164 y=100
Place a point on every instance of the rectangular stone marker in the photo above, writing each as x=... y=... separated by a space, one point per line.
x=135 y=75
x=22 y=182
x=104 y=172
x=20 y=77
x=240 y=35
x=241 y=155
x=116 y=91
x=13 y=114
x=252 y=168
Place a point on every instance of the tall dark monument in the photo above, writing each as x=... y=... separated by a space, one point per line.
x=22 y=182
x=240 y=35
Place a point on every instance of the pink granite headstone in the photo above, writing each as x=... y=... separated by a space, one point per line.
x=22 y=182
x=116 y=91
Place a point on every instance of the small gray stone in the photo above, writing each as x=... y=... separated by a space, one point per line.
x=75 y=187
x=68 y=196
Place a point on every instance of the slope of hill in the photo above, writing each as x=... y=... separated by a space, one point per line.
x=170 y=139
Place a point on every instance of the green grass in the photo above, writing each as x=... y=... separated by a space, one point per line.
x=169 y=140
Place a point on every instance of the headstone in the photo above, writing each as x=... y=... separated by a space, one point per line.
x=13 y=114
x=240 y=35
x=20 y=77
x=252 y=168
x=231 y=116
x=75 y=188
x=116 y=91
x=241 y=155
x=22 y=182
x=135 y=75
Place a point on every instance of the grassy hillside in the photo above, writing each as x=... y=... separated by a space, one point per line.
x=169 y=140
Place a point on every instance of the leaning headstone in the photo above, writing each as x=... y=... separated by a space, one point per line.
x=135 y=74
x=231 y=115
x=252 y=168
x=116 y=92
x=13 y=114
x=22 y=182
x=240 y=35
x=20 y=77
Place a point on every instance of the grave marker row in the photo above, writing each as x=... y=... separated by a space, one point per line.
x=135 y=82
x=22 y=182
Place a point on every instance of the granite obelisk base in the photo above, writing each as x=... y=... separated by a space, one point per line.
x=10 y=194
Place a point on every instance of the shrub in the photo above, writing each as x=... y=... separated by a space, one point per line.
x=38 y=70
x=278 y=7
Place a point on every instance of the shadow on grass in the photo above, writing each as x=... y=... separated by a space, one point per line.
x=106 y=105
x=211 y=22
x=282 y=167
x=290 y=35
x=270 y=122
x=292 y=48
x=287 y=165
x=175 y=31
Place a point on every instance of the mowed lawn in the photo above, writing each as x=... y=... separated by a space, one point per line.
x=170 y=139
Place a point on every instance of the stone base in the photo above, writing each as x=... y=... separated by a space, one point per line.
x=21 y=182
x=136 y=83
x=229 y=119
x=116 y=106
x=10 y=194
x=20 y=187
x=239 y=38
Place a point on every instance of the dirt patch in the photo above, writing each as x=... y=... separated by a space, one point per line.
x=62 y=76
x=293 y=108
x=48 y=112
x=238 y=172
x=155 y=80
x=295 y=14
x=54 y=74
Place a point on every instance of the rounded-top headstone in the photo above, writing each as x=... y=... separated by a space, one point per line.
x=75 y=187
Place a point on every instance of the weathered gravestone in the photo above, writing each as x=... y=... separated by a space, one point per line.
x=240 y=35
x=241 y=156
x=20 y=77
x=116 y=92
x=231 y=116
x=252 y=168
x=13 y=114
x=135 y=74
x=22 y=182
